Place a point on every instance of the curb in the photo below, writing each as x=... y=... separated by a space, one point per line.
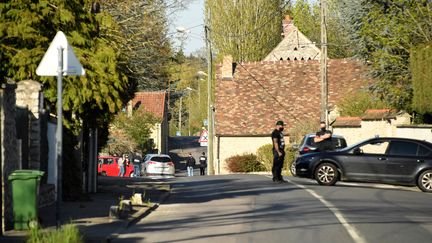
x=137 y=216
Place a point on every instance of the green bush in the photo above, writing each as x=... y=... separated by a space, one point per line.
x=244 y=163
x=265 y=156
x=68 y=233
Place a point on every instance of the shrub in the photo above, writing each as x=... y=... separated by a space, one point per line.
x=265 y=156
x=244 y=163
x=68 y=233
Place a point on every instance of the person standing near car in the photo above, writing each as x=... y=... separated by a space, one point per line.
x=278 y=152
x=121 y=165
x=323 y=138
x=203 y=163
x=136 y=161
x=190 y=164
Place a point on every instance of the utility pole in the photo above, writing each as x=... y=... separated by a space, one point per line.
x=180 y=115
x=189 y=114
x=323 y=63
x=211 y=170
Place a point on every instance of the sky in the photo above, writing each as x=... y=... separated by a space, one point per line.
x=192 y=19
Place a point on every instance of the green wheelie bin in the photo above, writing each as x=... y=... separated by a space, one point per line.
x=25 y=186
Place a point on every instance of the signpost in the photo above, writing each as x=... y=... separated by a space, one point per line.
x=59 y=60
x=203 y=138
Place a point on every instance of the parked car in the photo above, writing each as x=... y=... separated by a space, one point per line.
x=386 y=160
x=307 y=145
x=158 y=164
x=108 y=166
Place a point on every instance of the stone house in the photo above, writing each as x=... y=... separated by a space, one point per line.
x=380 y=122
x=155 y=103
x=250 y=97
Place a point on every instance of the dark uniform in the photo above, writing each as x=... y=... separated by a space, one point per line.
x=203 y=164
x=326 y=144
x=278 y=160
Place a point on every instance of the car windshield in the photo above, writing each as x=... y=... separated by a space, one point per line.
x=160 y=159
x=355 y=145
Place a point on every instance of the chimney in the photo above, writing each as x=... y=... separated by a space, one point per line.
x=287 y=24
x=227 y=68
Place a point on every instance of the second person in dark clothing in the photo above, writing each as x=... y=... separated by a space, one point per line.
x=203 y=163
x=323 y=138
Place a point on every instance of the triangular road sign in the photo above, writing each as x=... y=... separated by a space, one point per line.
x=204 y=136
x=49 y=64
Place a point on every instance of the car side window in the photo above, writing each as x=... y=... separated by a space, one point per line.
x=423 y=151
x=403 y=148
x=338 y=143
x=109 y=161
x=374 y=148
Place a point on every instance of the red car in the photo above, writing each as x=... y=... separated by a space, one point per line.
x=108 y=166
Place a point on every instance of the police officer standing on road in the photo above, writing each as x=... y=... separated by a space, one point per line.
x=278 y=152
x=203 y=163
x=323 y=138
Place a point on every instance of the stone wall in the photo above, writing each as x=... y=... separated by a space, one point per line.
x=384 y=128
x=9 y=148
x=225 y=147
x=28 y=96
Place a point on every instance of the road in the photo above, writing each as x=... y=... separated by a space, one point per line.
x=180 y=147
x=251 y=208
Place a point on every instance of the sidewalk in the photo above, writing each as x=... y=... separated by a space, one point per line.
x=91 y=216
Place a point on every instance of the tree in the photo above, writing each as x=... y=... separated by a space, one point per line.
x=356 y=104
x=246 y=29
x=25 y=32
x=130 y=134
x=187 y=83
x=385 y=31
x=26 y=29
x=307 y=17
x=142 y=39
x=420 y=63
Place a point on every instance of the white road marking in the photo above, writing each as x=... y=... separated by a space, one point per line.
x=352 y=231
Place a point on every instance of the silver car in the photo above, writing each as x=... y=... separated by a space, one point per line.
x=158 y=165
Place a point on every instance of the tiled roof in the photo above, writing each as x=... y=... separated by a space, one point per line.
x=294 y=46
x=283 y=90
x=153 y=102
x=379 y=114
x=347 y=121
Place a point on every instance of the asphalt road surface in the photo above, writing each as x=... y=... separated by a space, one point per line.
x=251 y=208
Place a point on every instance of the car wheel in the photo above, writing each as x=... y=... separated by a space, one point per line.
x=326 y=174
x=293 y=168
x=424 y=181
x=104 y=173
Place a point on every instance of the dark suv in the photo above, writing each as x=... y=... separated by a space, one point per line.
x=307 y=145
